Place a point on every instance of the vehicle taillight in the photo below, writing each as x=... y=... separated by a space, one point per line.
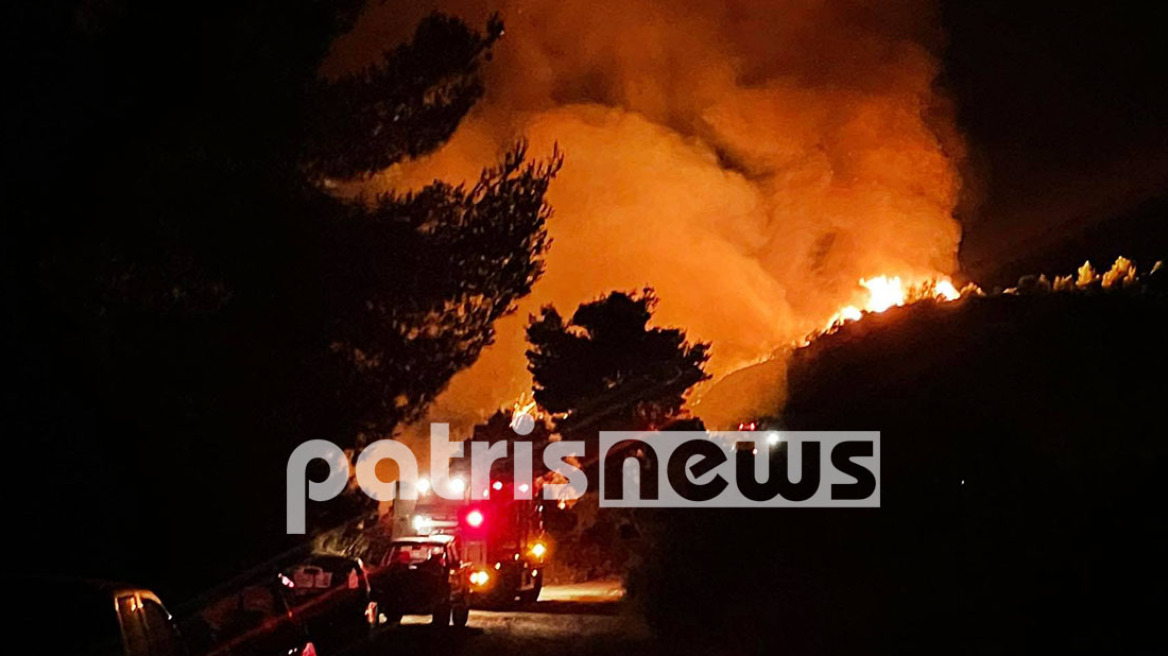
x=309 y=650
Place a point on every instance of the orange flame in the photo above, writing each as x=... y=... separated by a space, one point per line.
x=526 y=405
x=885 y=292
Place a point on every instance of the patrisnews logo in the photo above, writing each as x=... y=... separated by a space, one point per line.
x=684 y=469
x=667 y=469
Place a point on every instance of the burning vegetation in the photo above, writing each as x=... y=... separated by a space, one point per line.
x=885 y=335
x=749 y=161
x=1021 y=483
x=884 y=292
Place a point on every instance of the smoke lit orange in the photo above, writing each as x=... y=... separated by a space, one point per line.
x=748 y=165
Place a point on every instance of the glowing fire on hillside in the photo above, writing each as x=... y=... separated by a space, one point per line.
x=886 y=292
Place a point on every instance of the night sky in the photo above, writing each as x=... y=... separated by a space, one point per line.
x=1062 y=105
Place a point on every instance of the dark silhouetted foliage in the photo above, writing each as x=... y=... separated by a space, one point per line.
x=405 y=106
x=607 y=364
x=416 y=283
x=1021 y=493
x=499 y=428
x=187 y=300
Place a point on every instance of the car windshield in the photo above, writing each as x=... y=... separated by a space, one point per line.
x=415 y=553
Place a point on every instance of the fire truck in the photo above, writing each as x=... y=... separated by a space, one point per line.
x=502 y=538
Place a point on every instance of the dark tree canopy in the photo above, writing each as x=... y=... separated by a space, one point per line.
x=188 y=300
x=406 y=106
x=606 y=362
x=499 y=427
x=1021 y=450
x=401 y=329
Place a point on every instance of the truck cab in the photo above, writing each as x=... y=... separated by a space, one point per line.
x=506 y=551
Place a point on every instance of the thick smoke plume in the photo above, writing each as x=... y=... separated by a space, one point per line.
x=751 y=160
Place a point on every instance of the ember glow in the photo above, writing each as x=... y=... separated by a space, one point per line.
x=524 y=413
x=885 y=292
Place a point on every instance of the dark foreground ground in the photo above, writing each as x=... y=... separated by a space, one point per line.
x=571 y=619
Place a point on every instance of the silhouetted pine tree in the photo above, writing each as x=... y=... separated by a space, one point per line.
x=607 y=367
